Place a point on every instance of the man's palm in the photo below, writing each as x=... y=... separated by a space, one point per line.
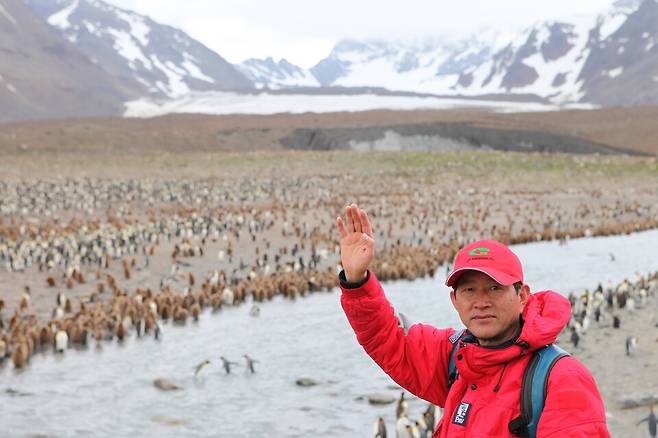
x=357 y=251
x=357 y=246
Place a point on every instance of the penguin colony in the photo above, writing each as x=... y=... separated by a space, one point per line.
x=87 y=260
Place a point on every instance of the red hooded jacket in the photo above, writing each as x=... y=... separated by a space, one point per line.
x=486 y=395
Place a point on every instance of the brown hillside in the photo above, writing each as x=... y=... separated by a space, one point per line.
x=631 y=129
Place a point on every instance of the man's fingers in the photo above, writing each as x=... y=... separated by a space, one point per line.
x=358 y=226
x=365 y=222
x=341 y=227
x=349 y=218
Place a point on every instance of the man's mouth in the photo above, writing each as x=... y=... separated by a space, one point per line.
x=482 y=317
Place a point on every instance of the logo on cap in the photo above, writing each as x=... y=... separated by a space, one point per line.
x=479 y=252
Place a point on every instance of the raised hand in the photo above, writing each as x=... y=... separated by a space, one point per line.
x=357 y=247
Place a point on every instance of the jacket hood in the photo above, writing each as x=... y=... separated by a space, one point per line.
x=544 y=316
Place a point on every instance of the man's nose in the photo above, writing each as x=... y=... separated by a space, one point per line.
x=481 y=299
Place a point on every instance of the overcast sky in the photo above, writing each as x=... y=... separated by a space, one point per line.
x=304 y=31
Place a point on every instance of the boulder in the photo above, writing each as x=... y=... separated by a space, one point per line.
x=165 y=384
x=306 y=381
x=380 y=399
x=636 y=400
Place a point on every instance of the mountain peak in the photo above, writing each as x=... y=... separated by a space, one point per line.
x=147 y=57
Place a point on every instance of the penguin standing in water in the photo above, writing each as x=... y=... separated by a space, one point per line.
x=652 y=422
x=61 y=341
x=227 y=364
x=198 y=371
x=250 y=363
x=379 y=429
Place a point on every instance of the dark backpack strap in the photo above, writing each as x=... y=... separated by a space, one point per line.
x=533 y=390
x=452 y=368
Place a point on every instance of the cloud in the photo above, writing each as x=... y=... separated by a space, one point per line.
x=304 y=31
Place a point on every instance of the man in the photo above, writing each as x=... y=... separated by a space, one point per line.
x=505 y=323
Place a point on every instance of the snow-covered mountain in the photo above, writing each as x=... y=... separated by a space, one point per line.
x=42 y=75
x=609 y=58
x=266 y=73
x=430 y=65
x=147 y=57
x=65 y=58
x=562 y=61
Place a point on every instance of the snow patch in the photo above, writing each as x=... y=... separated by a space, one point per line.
x=60 y=19
x=195 y=71
x=610 y=25
x=175 y=86
x=6 y=14
x=265 y=103
x=125 y=45
x=138 y=28
x=91 y=28
x=615 y=72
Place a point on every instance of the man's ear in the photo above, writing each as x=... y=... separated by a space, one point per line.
x=524 y=294
x=453 y=297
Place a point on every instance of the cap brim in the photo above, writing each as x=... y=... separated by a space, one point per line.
x=498 y=276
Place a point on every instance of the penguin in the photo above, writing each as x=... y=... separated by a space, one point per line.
x=415 y=430
x=250 y=363
x=21 y=354
x=61 y=299
x=4 y=349
x=432 y=416
x=141 y=327
x=597 y=313
x=401 y=407
x=616 y=322
x=201 y=367
x=652 y=423
x=61 y=341
x=423 y=429
x=227 y=364
x=631 y=345
x=25 y=300
x=379 y=429
x=575 y=338
x=401 y=425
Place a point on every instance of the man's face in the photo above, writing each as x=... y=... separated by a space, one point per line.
x=488 y=309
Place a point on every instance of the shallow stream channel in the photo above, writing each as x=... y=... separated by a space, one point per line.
x=109 y=391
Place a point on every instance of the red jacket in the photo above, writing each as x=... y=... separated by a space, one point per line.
x=474 y=407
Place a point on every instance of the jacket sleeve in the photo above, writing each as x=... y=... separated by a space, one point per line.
x=573 y=404
x=415 y=357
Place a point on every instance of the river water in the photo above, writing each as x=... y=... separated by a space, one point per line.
x=108 y=391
